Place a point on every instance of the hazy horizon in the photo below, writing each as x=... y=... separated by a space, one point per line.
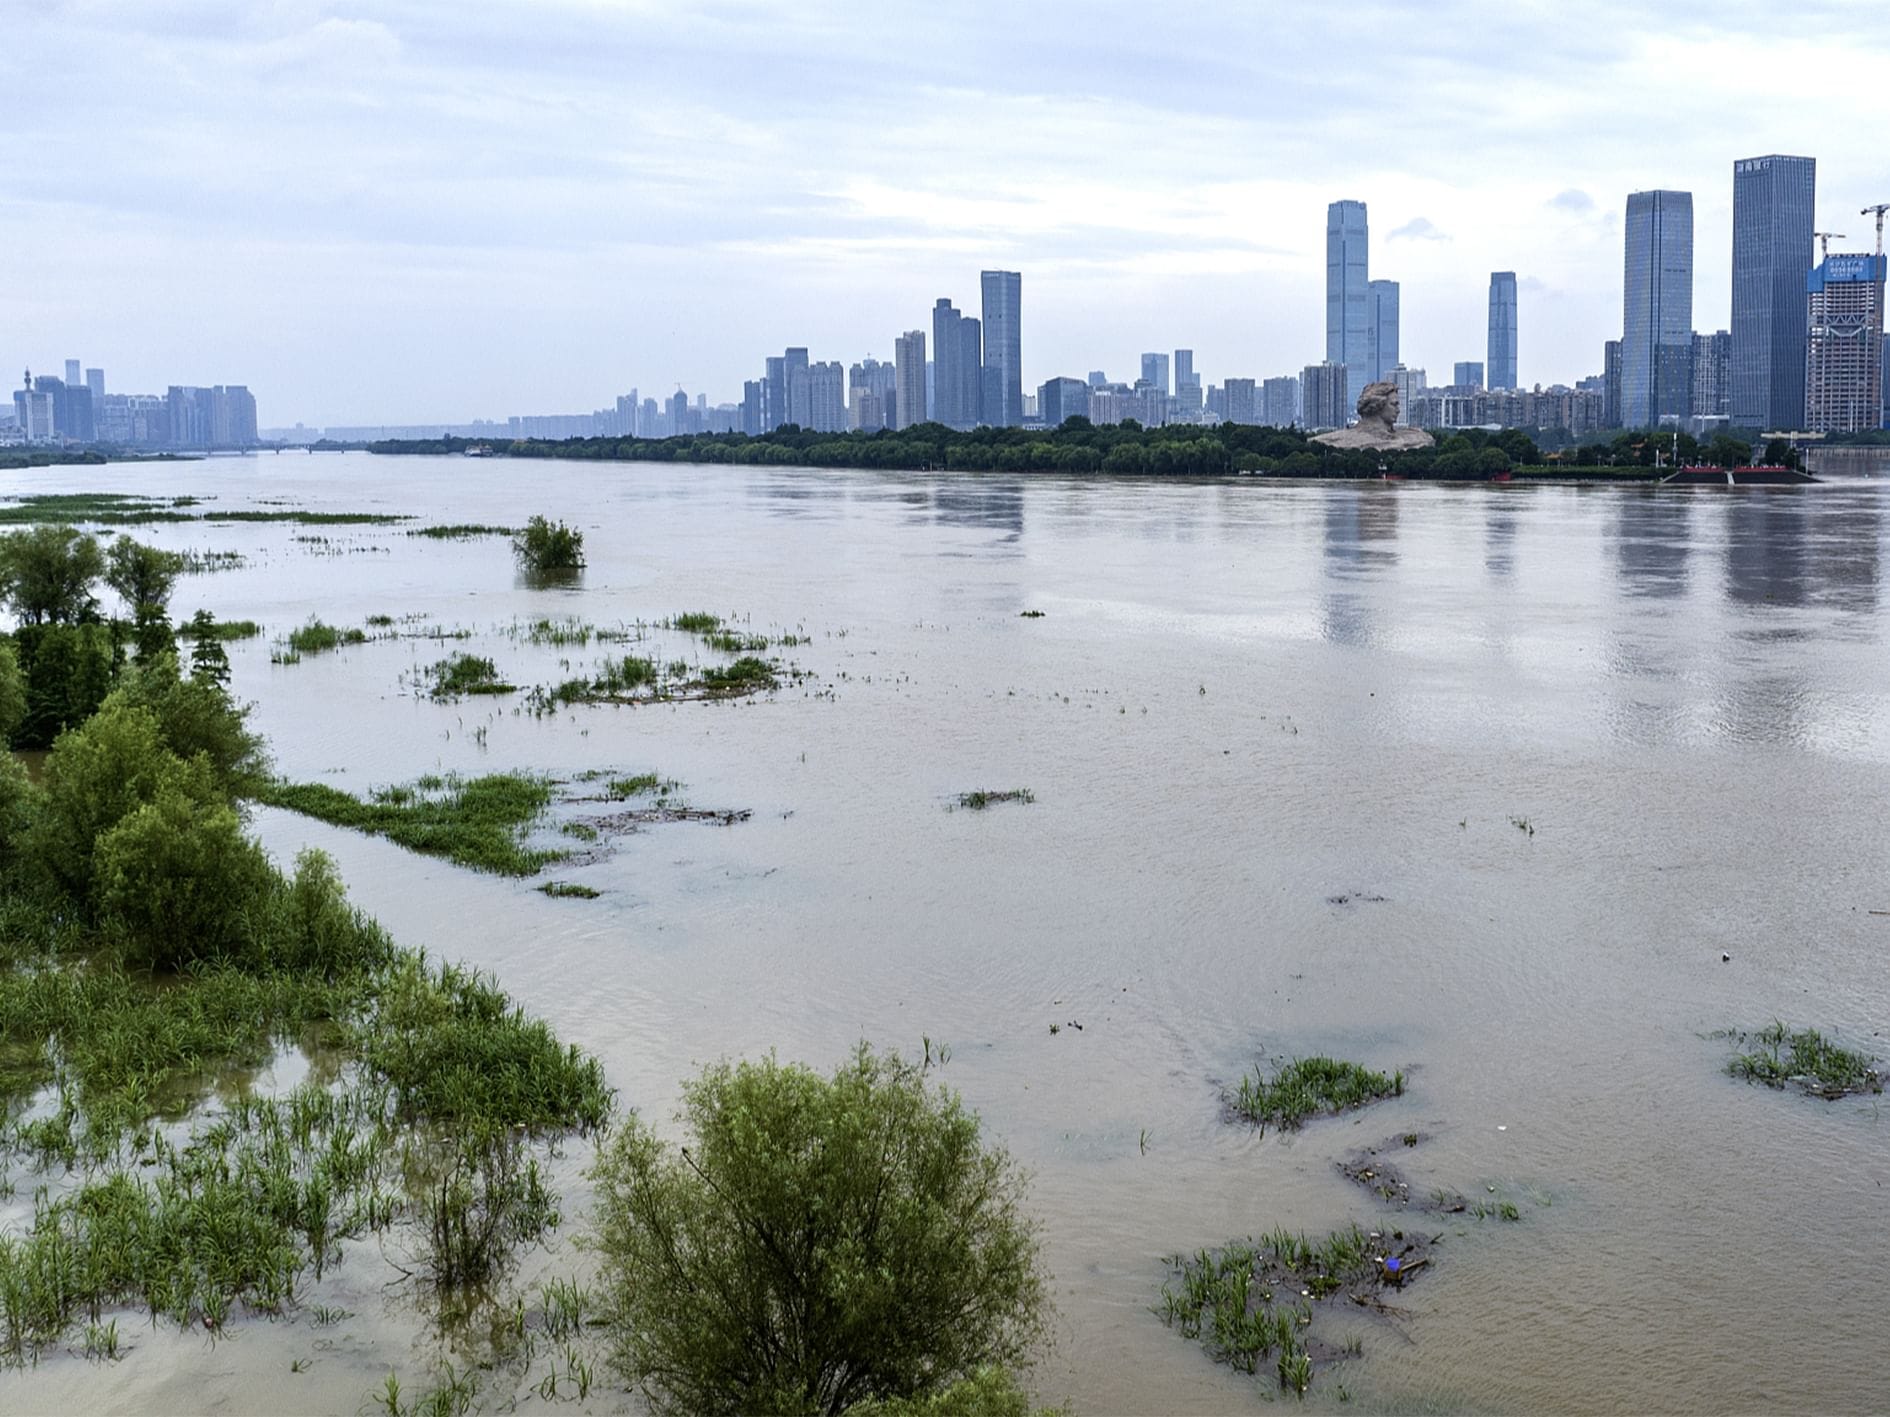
x=417 y=213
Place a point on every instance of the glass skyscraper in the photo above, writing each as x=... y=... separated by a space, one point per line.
x=1502 y=351
x=1657 y=308
x=1383 y=303
x=1003 y=380
x=1348 y=296
x=1773 y=219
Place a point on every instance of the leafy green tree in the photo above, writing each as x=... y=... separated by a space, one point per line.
x=198 y=717
x=549 y=546
x=822 y=1242
x=177 y=882
x=68 y=670
x=313 y=928
x=209 y=661
x=47 y=573
x=142 y=575
x=97 y=775
x=12 y=692
x=1727 y=451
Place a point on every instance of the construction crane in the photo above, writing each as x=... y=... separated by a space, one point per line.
x=1825 y=238
x=1877 y=211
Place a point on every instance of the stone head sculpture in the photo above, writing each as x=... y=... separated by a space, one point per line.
x=1378 y=407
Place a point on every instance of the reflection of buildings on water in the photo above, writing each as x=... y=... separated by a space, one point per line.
x=1766 y=561
x=990 y=503
x=1653 y=535
x=1499 y=535
x=1361 y=533
x=1361 y=527
x=1799 y=546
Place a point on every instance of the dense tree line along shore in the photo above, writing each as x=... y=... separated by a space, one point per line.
x=1185 y=450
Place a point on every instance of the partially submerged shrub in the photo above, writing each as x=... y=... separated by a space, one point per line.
x=177 y=882
x=317 y=638
x=821 y=1242
x=549 y=546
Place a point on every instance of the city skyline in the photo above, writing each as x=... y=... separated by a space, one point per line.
x=643 y=197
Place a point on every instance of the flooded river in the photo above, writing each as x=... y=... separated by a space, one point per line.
x=1477 y=782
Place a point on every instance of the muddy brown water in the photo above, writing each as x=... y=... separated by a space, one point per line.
x=1242 y=701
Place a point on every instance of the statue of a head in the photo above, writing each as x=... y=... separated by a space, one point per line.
x=1378 y=406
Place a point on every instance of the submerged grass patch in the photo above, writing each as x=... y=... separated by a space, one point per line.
x=1253 y=1301
x=317 y=637
x=461 y=531
x=478 y=822
x=219 y=629
x=462 y=674
x=568 y=890
x=984 y=797
x=1778 y=1056
x=1309 y=1087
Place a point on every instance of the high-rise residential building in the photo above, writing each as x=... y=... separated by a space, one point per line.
x=1187 y=383
x=1712 y=361
x=1155 y=372
x=681 y=416
x=1325 y=395
x=773 y=393
x=1003 y=385
x=958 y=360
x=1773 y=221
x=1058 y=399
x=95 y=381
x=794 y=377
x=1466 y=374
x=33 y=410
x=971 y=370
x=1657 y=309
x=1279 y=401
x=1382 y=297
x=826 y=397
x=1844 y=361
x=870 y=395
x=1611 y=384
x=909 y=379
x=1348 y=297
x=1410 y=385
x=73 y=378
x=1502 y=350
x=754 y=406
x=1242 y=400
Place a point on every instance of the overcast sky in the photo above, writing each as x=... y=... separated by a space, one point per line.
x=422 y=210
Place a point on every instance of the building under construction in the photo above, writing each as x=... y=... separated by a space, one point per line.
x=1844 y=368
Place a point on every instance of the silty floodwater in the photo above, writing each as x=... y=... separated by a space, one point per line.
x=1477 y=782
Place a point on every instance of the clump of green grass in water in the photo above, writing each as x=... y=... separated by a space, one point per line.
x=746 y=675
x=731 y=642
x=462 y=674
x=568 y=890
x=1310 y=1087
x=643 y=784
x=1805 y=1057
x=318 y=638
x=218 y=629
x=1253 y=1301
x=979 y=800
x=478 y=822
x=461 y=531
x=696 y=622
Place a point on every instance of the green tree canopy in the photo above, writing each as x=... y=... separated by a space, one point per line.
x=142 y=575
x=47 y=573
x=820 y=1243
